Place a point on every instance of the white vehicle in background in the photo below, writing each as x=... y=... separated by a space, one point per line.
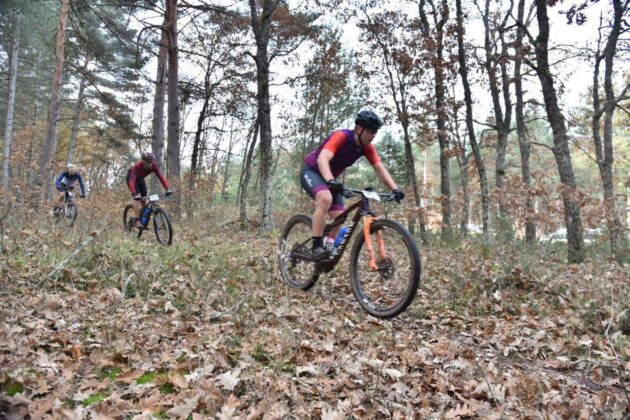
x=474 y=229
x=560 y=236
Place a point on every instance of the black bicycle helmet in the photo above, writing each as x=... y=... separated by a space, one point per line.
x=148 y=157
x=368 y=119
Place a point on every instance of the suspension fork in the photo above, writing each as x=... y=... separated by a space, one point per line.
x=367 y=225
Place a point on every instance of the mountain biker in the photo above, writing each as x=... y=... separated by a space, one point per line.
x=66 y=181
x=325 y=163
x=138 y=187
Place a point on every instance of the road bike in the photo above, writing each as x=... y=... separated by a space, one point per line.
x=67 y=213
x=385 y=262
x=151 y=210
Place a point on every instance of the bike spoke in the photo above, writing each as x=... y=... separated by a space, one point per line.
x=162 y=227
x=388 y=289
x=295 y=266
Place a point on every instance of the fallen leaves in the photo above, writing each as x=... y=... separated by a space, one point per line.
x=183 y=410
x=462 y=410
x=151 y=352
x=230 y=379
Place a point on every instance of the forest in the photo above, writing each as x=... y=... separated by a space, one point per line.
x=506 y=128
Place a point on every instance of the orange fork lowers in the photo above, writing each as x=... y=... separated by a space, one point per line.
x=367 y=225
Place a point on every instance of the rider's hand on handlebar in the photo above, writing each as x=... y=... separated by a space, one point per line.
x=398 y=194
x=334 y=186
x=169 y=192
x=137 y=196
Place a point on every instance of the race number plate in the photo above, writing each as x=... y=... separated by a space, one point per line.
x=371 y=195
x=154 y=197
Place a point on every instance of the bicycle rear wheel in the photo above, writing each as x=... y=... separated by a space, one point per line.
x=128 y=215
x=390 y=289
x=58 y=215
x=162 y=227
x=295 y=243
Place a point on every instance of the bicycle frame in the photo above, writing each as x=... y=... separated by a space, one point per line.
x=152 y=204
x=361 y=210
x=68 y=196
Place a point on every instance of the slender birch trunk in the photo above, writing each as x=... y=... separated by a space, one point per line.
x=472 y=138
x=157 y=124
x=8 y=128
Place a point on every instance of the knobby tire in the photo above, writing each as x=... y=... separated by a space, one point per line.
x=162 y=227
x=297 y=272
x=390 y=290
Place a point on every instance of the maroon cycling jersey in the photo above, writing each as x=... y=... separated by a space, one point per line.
x=345 y=152
x=140 y=171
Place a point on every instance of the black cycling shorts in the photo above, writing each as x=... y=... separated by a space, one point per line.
x=141 y=186
x=312 y=182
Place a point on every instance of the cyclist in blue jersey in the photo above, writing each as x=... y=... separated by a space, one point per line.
x=324 y=164
x=65 y=181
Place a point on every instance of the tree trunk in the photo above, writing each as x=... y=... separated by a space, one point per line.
x=440 y=104
x=504 y=126
x=245 y=165
x=245 y=176
x=472 y=138
x=261 y=27
x=214 y=169
x=501 y=120
x=226 y=171
x=463 y=161
x=562 y=154
x=523 y=140
x=194 y=170
x=604 y=152
x=157 y=129
x=8 y=128
x=75 y=123
x=50 y=141
x=410 y=169
x=172 y=148
x=31 y=170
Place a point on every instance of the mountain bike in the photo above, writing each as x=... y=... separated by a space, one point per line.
x=385 y=263
x=68 y=212
x=161 y=221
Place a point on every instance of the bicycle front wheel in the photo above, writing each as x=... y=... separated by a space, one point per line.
x=69 y=214
x=389 y=289
x=295 y=243
x=162 y=226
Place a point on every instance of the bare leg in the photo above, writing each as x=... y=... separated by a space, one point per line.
x=59 y=199
x=323 y=200
x=137 y=207
x=333 y=214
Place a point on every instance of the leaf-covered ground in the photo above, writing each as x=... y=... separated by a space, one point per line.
x=206 y=329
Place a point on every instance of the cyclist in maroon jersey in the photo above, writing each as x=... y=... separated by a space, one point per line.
x=324 y=164
x=138 y=187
